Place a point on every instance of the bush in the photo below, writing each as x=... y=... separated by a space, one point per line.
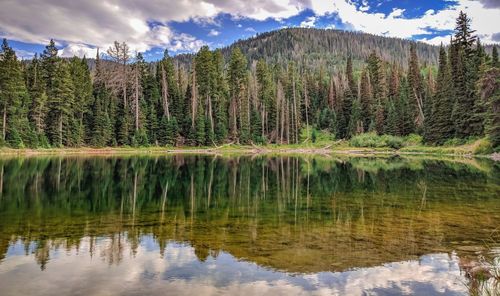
x=372 y=140
x=413 y=140
x=482 y=146
x=453 y=142
x=392 y=141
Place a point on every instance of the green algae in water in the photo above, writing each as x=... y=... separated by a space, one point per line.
x=251 y=225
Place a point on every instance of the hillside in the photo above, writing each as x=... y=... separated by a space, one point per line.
x=319 y=47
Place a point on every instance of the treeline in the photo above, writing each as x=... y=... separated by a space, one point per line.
x=313 y=49
x=55 y=102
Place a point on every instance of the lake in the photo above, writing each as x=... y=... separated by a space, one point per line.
x=245 y=225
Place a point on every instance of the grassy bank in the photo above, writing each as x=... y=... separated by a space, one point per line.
x=324 y=147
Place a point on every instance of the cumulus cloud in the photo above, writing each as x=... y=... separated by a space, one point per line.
x=84 y=25
x=213 y=33
x=490 y=3
x=397 y=26
x=308 y=22
x=24 y=54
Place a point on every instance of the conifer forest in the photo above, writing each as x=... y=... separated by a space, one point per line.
x=256 y=91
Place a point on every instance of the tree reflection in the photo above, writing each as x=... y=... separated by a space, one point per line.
x=284 y=212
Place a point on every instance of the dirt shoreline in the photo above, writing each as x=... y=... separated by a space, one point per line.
x=250 y=150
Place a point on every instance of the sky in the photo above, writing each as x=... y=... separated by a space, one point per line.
x=183 y=26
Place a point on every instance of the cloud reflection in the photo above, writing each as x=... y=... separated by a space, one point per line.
x=144 y=271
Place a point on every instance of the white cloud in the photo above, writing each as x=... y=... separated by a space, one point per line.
x=438 y=40
x=396 y=26
x=213 y=33
x=83 y=25
x=396 y=12
x=99 y=23
x=80 y=50
x=24 y=54
x=308 y=22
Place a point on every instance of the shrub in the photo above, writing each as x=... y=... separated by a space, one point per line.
x=413 y=140
x=454 y=142
x=392 y=141
x=482 y=146
x=374 y=141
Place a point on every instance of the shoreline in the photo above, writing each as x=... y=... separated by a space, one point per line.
x=248 y=150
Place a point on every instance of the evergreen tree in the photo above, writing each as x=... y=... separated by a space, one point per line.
x=61 y=124
x=266 y=96
x=356 y=122
x=366 y=99
x=404 y=110
x=14 y=100
x=489 y=89
x=415 y=87
x=391 y=124
x=239 y=96
x=439 y=125
x=220 y=98
x=494 y=57
x=100 y=131
x=38 y=107
x=50 y=61
x=82 y=92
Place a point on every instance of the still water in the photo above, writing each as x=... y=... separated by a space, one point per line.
x=242 y=225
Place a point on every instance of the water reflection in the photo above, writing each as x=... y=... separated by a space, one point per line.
x=254 y=224
x=180 y=272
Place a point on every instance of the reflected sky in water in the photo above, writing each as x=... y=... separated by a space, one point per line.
x=88 y=271
x=212 y=225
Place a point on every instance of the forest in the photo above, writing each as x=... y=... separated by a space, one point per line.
x=218 y=98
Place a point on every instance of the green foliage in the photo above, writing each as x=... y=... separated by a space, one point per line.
x=482 y=146
x=255 y=92
x=413 y=140
x=373 y=140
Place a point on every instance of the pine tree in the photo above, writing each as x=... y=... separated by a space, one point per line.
x=350 y=76
x=415 y=87
x=14 y=99
x=100 y=131
x=494 y=57
x=489 y=90
x=61 y=124
x=266 y=97
x=82 y=92
x=439 y=126
x=38 y=106
x=464 y=35
x=404 y=110
x=366 y=99
x=379 y=118
x=50 y=61
x=356 y=123
x=220 y=98
x=391 y=124
x=238 y=95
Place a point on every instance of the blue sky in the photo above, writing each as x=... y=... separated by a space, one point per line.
x=80 y=27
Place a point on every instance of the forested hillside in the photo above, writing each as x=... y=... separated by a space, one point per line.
x=279 y=87
x=318 y=48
